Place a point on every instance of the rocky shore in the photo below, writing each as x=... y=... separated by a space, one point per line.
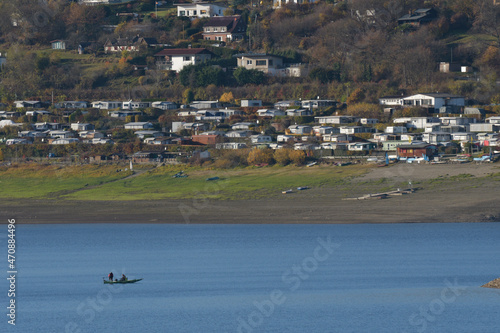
x=492 y=284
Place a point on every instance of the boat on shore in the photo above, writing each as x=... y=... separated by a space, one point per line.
x=118 y=281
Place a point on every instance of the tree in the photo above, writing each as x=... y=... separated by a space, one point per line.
x=187 y=96
x=298 y=157
x=258 y=156
x=227 y=97
x=282 y=156
x=248 y=76
x=365 y=110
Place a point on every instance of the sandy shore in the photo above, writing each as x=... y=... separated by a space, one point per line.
x=449 y=197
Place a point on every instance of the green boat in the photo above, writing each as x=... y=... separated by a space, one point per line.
x=118 y=281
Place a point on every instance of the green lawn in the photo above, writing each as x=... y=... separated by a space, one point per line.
x=243 y=183
x=40 y=182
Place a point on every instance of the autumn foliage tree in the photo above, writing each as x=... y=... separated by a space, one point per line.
x=282 y=156
x=298 y=157
x=260 y=156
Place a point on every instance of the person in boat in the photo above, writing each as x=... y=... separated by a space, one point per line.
x=110 y=276
x=123 y=278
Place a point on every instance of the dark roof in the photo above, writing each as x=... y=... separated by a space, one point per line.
x=440 y=95
x=422 y=14
x=255 y=55
x=417 y=145
x=222 y=21
x=167 y=52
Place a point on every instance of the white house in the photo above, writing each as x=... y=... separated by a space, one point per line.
x=28 y=104
x=396 y=129
x=17 y=142
x=436 y=137
x=65 y=141
x=466 y=137
x=391 y=100
x=72 y=105
x=337 y=138
x=200 y=9
x=300 y=129
x=416 y=122
x=285 y=138
x=318 y=103
x=286 y=104
x=493 y=120
x=238 y=134
x=251 y=103
x=61 y=134
x=270 y=113
x=230 y=145
x=46 y=126
x=123 y=114
x=368 y=121
x=356 y=129
x=148 y=133
x=131 y=105
x=456 y=121
x=298 y=112
x=82 y=127
x=335 y=119
x=260 y=138
x=138 y=125
x=321 y=130
x=242 y=126
x=163 y=105
x=362 y=146
x=106 y=105
x=434 y=101
x=177 y=59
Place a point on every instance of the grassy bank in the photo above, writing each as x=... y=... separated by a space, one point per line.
x=105 y=183
x=50 y=181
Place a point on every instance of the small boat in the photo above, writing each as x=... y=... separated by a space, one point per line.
x=212 y=178
x=301 y=188
x=287 y=191
x=311 y=164
x=118 y=281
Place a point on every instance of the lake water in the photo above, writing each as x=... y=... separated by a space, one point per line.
x=255 y=278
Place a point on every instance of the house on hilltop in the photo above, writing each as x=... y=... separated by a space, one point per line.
x=128 y=44
x=418 y=17
x=225 y=29
x=200 y=9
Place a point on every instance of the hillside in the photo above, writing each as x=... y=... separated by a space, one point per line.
x=355 y=51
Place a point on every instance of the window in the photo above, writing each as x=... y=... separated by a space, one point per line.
x=187 y=58
x=260 y=63
x=203 y=12
x=182 y=13
x=194 y=12
x=249 y=62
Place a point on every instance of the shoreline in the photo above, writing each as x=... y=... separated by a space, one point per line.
x=457 y=193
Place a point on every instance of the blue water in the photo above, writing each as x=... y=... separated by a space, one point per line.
x=255 y=278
